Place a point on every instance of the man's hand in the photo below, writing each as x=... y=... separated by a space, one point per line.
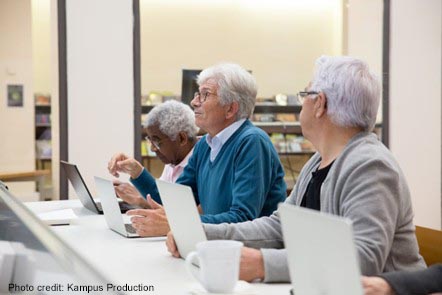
x=129 y=194
x=122 y=163
x=252 y=265
x=171 y=246
x=150 y=222
x=376 y=286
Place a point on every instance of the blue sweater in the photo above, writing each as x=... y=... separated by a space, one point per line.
x=245 y=181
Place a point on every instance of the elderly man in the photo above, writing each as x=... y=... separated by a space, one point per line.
x=235 y=173
x=352 y=175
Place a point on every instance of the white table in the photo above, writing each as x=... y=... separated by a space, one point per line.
x=129 y=261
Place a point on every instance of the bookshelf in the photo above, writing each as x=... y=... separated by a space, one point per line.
x=293 y=149
x=43 y=132
x=284 y=130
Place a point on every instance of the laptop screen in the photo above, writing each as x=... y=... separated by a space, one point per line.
x=79 y=185
x=322 y=255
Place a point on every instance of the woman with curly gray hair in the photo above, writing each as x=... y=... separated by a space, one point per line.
x=171 y=130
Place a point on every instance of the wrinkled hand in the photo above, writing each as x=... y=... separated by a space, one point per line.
x=122 y=163
x=252 y=265
x=376 y=286
x=171 y=245
x=150 y=222
x=129 y=194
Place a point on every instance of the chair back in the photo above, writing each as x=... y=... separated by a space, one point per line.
x=430 y=244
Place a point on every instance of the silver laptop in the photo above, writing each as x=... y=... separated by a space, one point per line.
x=321 y=252
x=112 y=213
x=182 y=214
x=83 y=193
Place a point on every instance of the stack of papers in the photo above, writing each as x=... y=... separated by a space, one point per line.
x=58 y=217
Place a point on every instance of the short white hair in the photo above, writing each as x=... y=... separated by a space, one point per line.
x=351 y=88
x=172 y=117
x=235 y=84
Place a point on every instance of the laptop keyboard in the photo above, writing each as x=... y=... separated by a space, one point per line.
x=130 y=229
x=124 y=207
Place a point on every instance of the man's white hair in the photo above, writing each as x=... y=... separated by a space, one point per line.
x=234 y=84
x=351 y=88
x=173 y=117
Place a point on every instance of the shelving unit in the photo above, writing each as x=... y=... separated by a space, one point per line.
x=43 y=145
x=293 y=159
x=280 y=127
x=43 y=136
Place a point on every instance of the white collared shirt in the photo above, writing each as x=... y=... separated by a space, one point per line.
x=216 y=143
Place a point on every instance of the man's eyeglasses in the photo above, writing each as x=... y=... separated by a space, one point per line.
x=202 y=96
x=155 y=143
x=302 y=95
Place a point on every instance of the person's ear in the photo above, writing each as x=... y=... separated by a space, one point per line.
x=320 y=105
x=183 y=138
x=232 y=110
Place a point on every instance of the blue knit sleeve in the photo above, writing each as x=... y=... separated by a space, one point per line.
x=256 y=182
x=145 y=184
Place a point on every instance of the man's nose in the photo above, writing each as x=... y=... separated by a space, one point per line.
x=195 y=102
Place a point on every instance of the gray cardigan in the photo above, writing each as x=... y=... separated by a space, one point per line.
x=366 y=185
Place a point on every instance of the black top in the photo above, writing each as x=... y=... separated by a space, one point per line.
x=416 y=282
x=312 y=196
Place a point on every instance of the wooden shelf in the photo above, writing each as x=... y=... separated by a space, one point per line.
x=280 y=127
x=289 y=109
x=44 y=158
x=44 y=109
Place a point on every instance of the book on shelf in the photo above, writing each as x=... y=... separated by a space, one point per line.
x=42 y=119
x=42 y=99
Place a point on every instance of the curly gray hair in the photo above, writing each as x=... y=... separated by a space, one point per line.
x=173 y=117
x=234 y=84
x=351 y=88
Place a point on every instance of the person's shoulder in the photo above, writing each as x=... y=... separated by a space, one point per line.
x=250 y=131
x=367 y=147
x=367 y=154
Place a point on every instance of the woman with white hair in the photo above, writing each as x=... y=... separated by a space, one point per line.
x=352 y=175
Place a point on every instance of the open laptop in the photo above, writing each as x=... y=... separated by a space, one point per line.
x=321 y=252
x=112 y=213
x=182 y=214
x=83 y=193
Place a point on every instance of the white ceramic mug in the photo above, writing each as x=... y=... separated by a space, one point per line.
x=219 y=265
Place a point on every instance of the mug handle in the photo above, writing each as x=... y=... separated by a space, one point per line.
x=191 y=269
